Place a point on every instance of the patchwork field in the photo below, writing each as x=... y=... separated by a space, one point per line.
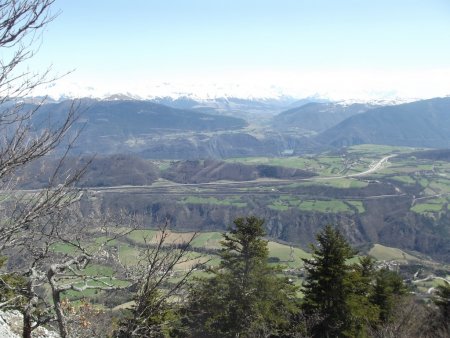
x=204 y=250
x=430 y=177
x=345 y=186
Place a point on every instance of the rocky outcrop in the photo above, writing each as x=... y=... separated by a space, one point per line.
x=11 y=323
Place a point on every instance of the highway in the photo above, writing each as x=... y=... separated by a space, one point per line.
x=169 y=187
x=373 y=168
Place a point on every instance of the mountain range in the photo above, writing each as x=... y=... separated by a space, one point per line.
x=236 y=128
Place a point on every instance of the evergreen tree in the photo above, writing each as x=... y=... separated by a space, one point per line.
x=387 y=290
x=442 y=301
x=244 y=297
x=359 y=287
x=337 y=293
x=325 y=288
x=347 y=299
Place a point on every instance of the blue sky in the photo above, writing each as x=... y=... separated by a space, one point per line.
x=125 y=45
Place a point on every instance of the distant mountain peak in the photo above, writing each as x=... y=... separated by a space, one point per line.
x=379 y=102
x=121 y=97
x=212 y=91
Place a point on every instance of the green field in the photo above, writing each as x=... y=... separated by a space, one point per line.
x=340 y=183
x=288 y=255
x=141 y=236
x=288 y=162
x=90 y=293
x=209 y=240
x=63 y=248
x=280 y=254
x=385 y=253
x=286 y=202
x=322 y=165
x=426 y=182
x=332 y=206
x=429 y=206
x=231 y=201
x=358 y=205
x=129 y=254
x=378 y=149
x=404 y=179
x=402 y=171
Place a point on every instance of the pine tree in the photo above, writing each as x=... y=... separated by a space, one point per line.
x=244 y=297
x=347 y=299
x=442 y=301
x=387 y=289
x=359 y=287
x=337 y=293
x=326 y=289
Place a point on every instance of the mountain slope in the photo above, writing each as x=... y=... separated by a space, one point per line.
x=419 y=124
x=100 y=171
x=130 y=116
x=317 y=116
x=122 y=126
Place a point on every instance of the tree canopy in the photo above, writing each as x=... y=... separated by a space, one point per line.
x=244 y=296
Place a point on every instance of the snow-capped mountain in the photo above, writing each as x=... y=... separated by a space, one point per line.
x=207 y=92
x=64 y=89
x=201 y=91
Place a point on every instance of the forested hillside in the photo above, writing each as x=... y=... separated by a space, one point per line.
x=417 y=124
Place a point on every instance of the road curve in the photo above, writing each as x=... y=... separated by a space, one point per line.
x=374 y=168
x=378 y=165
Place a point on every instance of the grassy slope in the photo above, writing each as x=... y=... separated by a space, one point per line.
x=385 y=253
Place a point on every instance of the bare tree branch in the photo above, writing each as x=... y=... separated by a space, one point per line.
x=152 y=300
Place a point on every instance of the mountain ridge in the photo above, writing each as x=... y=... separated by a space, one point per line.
x=424 y=123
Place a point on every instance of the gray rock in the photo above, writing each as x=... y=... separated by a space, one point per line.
x=11 y=323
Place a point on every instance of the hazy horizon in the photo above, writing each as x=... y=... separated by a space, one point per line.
x=337 y=50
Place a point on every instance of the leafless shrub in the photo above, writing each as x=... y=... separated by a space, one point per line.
x=156 y=296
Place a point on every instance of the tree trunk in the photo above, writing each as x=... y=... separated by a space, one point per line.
x=56 y=297
x=62 y=324
x=27 y=325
